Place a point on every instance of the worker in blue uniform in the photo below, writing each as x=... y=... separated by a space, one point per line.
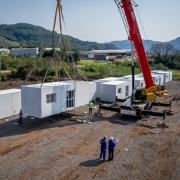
x=103 y=148
x=111 y=145
x=20 y=117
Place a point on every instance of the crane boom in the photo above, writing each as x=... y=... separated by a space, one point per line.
x=127 y=13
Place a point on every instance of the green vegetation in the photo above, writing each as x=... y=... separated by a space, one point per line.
x=6 y=43
x=176 y=75
x=101 y=70
x=27 y=35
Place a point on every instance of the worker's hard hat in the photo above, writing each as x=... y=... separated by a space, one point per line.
x=111 y=138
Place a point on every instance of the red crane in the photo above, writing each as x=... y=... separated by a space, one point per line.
x=127 y=13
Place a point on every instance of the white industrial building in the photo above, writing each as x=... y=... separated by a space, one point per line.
x=10 y=102
x=57 y=97
x=110 y=91
x=23 y=51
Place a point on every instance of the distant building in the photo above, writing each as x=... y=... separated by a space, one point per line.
x=49 y=49
x=105 y=54
x=23 y=51
x=4 y=51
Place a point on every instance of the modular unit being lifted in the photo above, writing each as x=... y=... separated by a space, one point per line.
x=57 y=97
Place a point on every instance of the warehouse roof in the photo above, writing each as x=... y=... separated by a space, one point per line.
x=109 y=51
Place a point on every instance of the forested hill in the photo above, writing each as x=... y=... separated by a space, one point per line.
x=27 y=35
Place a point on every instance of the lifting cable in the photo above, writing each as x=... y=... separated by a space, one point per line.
x=59 y=10
x=36 y=62
x=143 y=28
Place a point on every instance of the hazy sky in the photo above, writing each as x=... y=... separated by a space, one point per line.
x=96 y=20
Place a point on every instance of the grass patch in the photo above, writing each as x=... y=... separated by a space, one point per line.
x=175 y=74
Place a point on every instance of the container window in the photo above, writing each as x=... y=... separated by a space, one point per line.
x=70 y=99
x=119 y=90
x=141 y=84
x=127 y=91
x=50 y=98
x=156 y=80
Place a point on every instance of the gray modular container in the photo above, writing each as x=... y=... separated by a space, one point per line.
x=10 y=102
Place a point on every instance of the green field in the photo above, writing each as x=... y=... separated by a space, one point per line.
x=176 y=74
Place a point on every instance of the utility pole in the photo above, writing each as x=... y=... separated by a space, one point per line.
x=132 y=64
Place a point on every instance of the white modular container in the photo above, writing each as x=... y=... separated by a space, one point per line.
x=138 y=81
x=110 y=91
x=167 y=75
x=54 y=98
x=90 y=56
x=100 y=81
x=10 y=102
x=155 y=78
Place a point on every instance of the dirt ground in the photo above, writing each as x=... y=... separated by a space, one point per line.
x=59 y=147
x=13 y=83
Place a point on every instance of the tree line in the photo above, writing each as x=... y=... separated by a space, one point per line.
x=165 y=55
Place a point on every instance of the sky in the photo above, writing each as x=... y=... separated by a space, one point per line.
x=96 y=20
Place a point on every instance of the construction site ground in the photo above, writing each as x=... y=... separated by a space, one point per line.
x=59 y=147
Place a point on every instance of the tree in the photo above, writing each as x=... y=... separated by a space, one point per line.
x=163 y=53
x=162 y=49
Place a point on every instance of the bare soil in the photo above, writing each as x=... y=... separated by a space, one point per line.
x=14 y=83
x=59 y=147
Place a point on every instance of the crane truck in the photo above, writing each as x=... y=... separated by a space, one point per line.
x=142 y=98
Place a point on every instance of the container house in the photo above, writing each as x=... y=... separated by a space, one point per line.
x=10 y=102
x=54 y=98
x=110 y=91
x=100 y=81
x=167 y=75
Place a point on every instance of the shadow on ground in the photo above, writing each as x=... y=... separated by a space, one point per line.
x=90 y=163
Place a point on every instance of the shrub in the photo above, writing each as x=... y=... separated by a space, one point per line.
x=3 y=77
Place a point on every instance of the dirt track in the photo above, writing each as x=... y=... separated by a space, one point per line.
x=60 y=148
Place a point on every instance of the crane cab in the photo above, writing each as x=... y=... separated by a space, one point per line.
x=140 y=95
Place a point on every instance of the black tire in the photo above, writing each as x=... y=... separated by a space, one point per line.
x=139 y=113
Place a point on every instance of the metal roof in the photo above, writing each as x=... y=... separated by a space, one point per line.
x=109 y=51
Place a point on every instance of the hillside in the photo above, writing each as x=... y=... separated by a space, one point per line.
x=125 y=44
x=27 y=35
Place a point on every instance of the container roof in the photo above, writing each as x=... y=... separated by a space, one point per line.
x=115 y=82
x=59 y=83
x=8 y=91
x=160 y=71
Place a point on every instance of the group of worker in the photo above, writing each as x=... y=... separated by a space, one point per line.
x=111 y=144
